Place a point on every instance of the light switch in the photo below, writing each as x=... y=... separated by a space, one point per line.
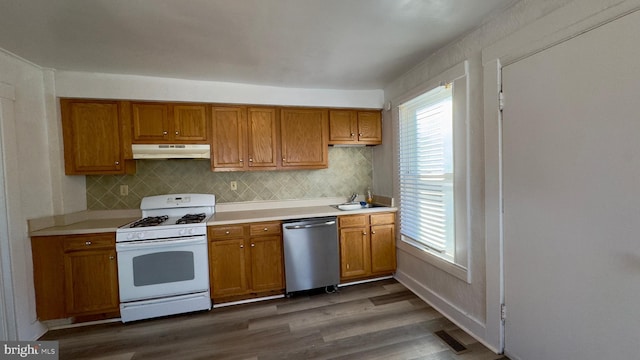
x=124 y=190
x=234 y=185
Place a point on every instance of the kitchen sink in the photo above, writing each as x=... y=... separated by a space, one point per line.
x=354 y=206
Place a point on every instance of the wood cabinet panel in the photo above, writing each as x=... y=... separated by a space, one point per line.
x=249 y=265
x=91 y=281
x=367 y=245
x=355 y=127
x=91 y=134
x=304 y=138
x=262 y=139
x=228 y=269
x=355 y=255
x=75 y=275
x=229 y=139
x=190 y=123
x=266 y=263
x=158 y=123
x=150 y=122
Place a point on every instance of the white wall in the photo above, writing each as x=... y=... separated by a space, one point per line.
x=469 y=305
x=27 y=178
x=112 y=86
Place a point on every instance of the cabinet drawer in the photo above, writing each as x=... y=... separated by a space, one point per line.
x=352 y=220
x=386 y=218
x=265 y=229
x=89 y=242
x=226 y=232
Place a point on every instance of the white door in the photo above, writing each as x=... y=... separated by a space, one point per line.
x=571 y=159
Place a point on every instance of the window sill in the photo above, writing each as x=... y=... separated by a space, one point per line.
x=435 y=259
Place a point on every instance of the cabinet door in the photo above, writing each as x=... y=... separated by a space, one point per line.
x=229 y=139
x=228 y=273
x=355 y=255
x=91 y=138
x=262 y=138
x=190 y=123
x=150 y=123
x=343 y=127
x=304 y=138
x=266 y=263
x=91 y=281
x=369 y=127
x=383 y=248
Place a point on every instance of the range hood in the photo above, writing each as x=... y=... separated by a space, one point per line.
x=171 y=151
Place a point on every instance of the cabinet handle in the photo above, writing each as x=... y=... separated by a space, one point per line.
x=364 y=233
x=117 y=162
x=250 y=159
x=360 y=134
x=266 y=229
x=227 y=232
x=283 y=159
x=253 y=245
x=241 y=246
x=241 y=160
x=164 y=133
x=352 y=134
x=177 y=133
x=87 y=243
x=373 y=232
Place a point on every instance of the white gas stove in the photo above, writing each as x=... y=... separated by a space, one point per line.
x=163 y=266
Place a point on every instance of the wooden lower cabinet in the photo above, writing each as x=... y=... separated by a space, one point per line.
x=245 y=261
x=367 y=246
x=75 y=276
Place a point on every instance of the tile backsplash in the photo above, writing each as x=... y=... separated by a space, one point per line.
x=350 y=170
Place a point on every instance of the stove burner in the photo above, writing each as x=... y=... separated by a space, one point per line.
x=150 y=221
x=191 y=218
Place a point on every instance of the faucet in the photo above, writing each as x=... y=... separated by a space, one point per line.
x=352 y=197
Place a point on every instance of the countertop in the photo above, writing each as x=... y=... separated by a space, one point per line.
x=90 y=224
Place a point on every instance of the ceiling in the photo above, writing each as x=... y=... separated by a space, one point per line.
x=330 y=44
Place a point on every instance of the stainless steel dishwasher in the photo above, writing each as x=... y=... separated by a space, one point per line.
x=311 y=256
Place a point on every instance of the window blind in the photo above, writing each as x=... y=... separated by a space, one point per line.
x=426 y=170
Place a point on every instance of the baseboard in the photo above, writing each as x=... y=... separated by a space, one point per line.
x=470 y=325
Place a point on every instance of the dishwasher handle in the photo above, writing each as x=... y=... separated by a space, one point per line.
x=308 y=226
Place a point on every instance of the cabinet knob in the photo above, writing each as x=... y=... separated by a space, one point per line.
x=373 y=232
x=164 y=133
x=227 y=232
x=253 y=245
x=283 y=159
x=241 y=246
x=177 y=133
x=241 y=160
x=250 y=159
x=364 y=233
x=360 y=134
x=266 y=229
x=117 y=162
x=352 y=134
x=87 y=243
x=112 y=257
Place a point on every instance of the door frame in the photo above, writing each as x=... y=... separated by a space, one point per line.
x=550 y=30
x=8 y=324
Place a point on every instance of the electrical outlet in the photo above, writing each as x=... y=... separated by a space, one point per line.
x=124 y=190
x=234 y=185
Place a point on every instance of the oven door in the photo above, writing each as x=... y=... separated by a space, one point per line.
x=165 y=267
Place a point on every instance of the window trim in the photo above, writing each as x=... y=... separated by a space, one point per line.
x=460 y=267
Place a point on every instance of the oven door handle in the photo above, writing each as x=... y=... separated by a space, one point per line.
x=171 y=242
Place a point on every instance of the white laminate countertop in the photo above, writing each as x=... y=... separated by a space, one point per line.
x=96 y=222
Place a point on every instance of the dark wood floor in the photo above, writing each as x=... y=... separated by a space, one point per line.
x=379 y=320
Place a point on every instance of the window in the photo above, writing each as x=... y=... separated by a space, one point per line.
x=432 y=136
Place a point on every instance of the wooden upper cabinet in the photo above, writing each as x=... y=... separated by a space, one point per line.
x=351 y=127
x=92 y=136
x=262 y=138
x=229 y=139
x=304 y=138
x=244 y=138
x=190 y=123
x=154 y=123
